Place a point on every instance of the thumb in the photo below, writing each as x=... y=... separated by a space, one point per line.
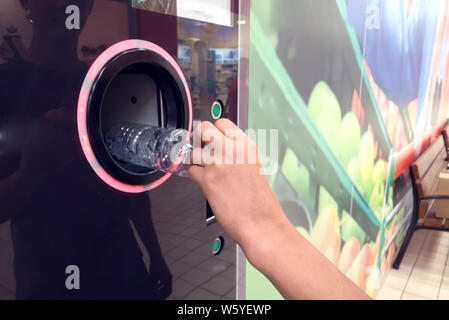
x=196 y=174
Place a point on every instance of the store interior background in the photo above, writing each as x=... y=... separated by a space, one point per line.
x=292 y=58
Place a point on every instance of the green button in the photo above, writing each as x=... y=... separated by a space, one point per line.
x=216 y=110
x=217 y=246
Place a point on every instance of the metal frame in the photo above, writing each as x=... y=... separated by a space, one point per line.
x=415 y=217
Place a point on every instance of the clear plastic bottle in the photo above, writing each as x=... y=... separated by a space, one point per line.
x=163 y=149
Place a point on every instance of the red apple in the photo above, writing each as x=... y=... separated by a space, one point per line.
x=360 y=269
x=357 y=107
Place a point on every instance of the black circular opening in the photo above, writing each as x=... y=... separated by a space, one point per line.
x=137 y=86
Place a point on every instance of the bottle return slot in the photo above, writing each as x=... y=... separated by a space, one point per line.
x=136 y=129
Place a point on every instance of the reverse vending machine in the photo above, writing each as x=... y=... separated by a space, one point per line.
x=76 y=223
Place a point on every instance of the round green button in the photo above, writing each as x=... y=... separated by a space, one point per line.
x=217 y=246
x=216 y=110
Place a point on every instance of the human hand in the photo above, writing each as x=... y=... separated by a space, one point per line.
x=249 y=212
x=238 y=193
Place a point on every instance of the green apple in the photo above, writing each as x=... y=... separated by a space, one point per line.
x=304 y=232
x=377 y=199
x=379 y=171
x=351 y=229
x=296 y=174
x=366 y=163
x=326 y=200
x=390 y=202
x=349 y=140
x=325 y=111
x=378 y=191
x=354 y=173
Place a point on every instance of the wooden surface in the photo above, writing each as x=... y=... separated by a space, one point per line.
x=427 y=158
x=428 y=183
x=426 y=170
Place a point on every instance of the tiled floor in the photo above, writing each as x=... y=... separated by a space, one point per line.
x=424 y=271
x=7 y=280
x=179 y=216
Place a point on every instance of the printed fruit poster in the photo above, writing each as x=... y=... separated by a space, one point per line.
x=350 y=85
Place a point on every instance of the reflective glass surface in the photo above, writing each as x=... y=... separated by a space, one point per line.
x=59 y=222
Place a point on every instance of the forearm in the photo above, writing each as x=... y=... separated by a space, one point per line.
x=247 y=209
x=297 y=268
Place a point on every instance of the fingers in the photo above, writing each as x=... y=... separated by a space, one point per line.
x=206 y=131
x=223 y=124
x=196 y=174
x=202 y=157
x=229 y=129
x=211 y=142
x=205 y=134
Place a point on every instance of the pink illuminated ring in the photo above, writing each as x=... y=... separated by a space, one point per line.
x=86 y=89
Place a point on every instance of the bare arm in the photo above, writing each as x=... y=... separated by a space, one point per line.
x=297 y=269
x=249 y=212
